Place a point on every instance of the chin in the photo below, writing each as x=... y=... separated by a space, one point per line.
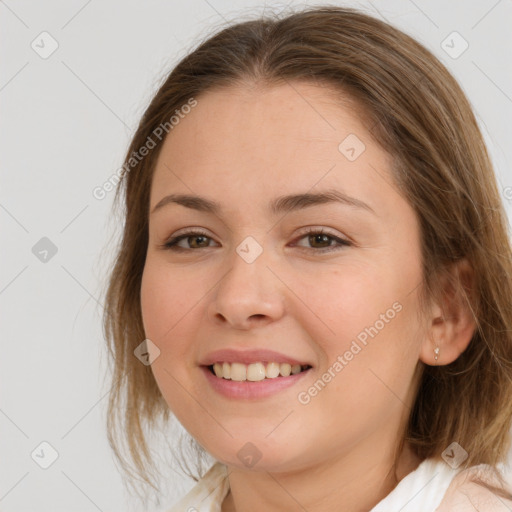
x=255 y=457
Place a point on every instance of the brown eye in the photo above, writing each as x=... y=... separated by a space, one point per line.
x=192 y=240
x=323 y=240
x=319 y=241
x=200 y=239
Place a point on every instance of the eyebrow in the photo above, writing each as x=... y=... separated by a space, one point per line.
x=282 y=204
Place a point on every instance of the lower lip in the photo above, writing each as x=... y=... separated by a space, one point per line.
x=251 y=390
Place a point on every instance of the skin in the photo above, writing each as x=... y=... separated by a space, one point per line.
x=464 y=495
x=243 y=147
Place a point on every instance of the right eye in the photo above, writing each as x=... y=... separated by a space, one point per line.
x=200 y=236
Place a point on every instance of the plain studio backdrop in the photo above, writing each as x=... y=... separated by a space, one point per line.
x=75 y=78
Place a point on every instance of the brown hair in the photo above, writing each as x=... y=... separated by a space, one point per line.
x=418 y=113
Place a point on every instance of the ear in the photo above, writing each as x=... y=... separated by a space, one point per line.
x=451 y=325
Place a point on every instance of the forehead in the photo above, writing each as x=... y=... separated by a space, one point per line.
x=263 y=118
x=253 y=140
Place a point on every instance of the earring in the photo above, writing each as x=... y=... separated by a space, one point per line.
x=436 y=352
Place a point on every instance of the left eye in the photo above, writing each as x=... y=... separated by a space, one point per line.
x=313 y=236
x=324 y=239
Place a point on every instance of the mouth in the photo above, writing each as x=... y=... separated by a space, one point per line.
x=255 y=372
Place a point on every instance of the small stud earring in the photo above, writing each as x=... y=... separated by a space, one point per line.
x=436 y=352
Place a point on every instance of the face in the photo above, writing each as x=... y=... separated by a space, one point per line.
x=327 y=285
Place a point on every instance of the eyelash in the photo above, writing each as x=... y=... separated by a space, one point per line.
x=172 y=243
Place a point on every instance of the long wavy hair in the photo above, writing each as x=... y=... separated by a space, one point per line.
x=418 y=113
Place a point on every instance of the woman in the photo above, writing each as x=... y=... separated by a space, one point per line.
x=315 y=275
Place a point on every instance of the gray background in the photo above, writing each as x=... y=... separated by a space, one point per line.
x=66 y=123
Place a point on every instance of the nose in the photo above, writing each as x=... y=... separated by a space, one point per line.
x=248 y=296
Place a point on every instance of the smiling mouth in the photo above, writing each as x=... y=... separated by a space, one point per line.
x=255 y=372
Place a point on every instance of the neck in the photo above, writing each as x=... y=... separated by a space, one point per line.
x=355 y=484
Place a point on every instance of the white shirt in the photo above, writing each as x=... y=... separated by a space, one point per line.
x=422 y=490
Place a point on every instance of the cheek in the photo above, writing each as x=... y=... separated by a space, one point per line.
x=173 y=310
x=163 y=304
x=154 y=295
x=368 y=315
x=166 y=309
x=349 y=299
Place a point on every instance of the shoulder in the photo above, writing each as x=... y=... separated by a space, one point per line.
x=468 y=492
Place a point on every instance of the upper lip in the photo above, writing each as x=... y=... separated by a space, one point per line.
x=229 y=355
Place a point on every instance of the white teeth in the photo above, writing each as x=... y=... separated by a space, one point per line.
x=217 y=368
x=255 y=371
x=285 y=369
x=238 y=371
x=226 y=371
x=272 y=370
x=295 y=369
